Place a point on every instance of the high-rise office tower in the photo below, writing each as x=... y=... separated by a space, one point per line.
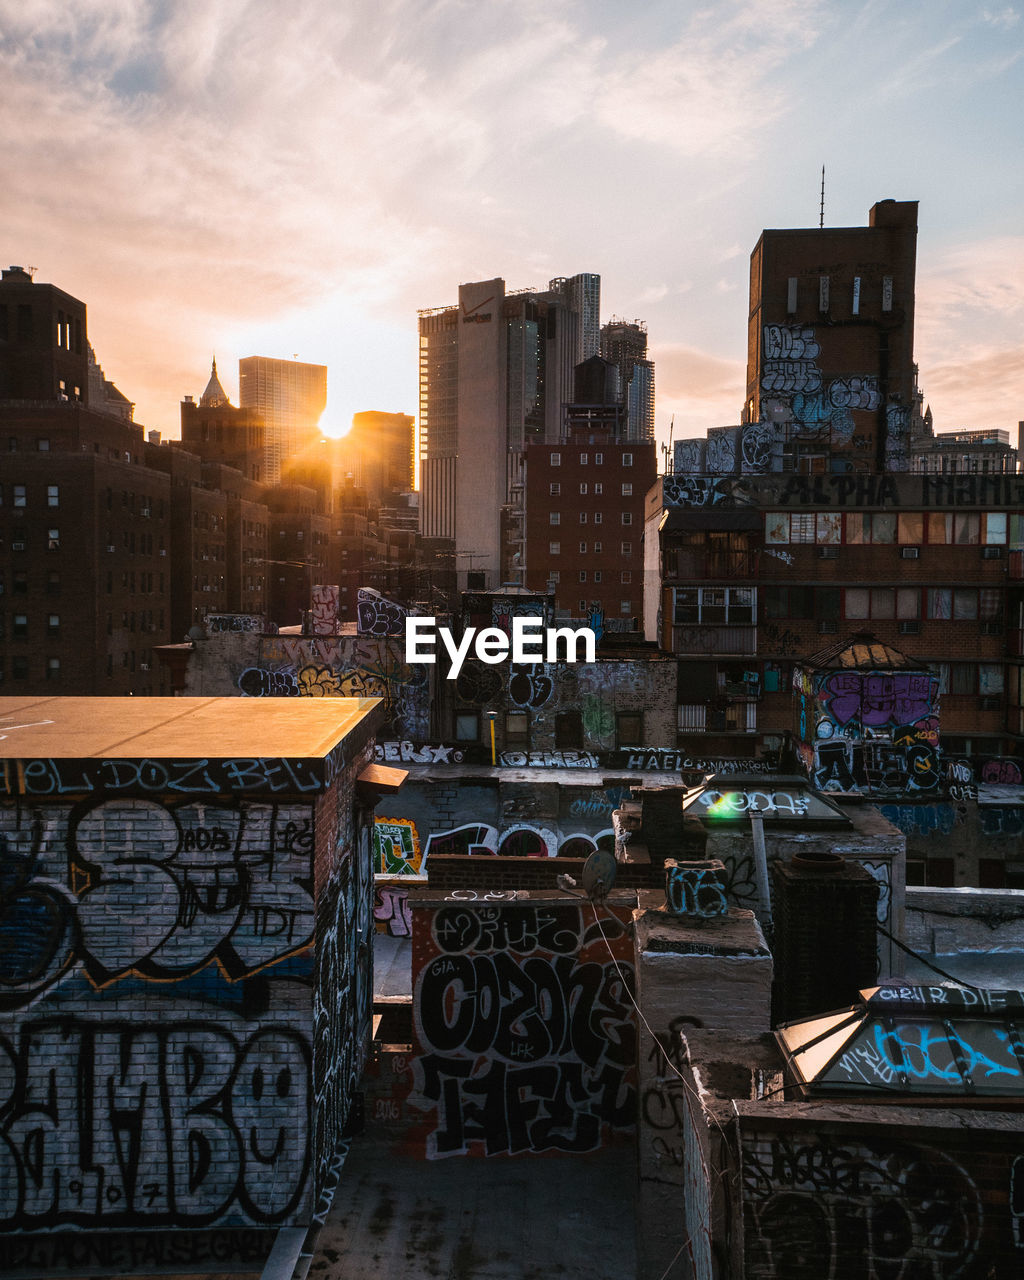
x=495 y=371
x=582 y=294
x=830 y=346
x=625 y=342
x=290 y=397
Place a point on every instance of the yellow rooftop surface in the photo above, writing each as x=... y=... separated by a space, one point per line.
x=177 y=728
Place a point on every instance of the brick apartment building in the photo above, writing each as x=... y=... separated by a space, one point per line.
x=584 y=523
x=754 y=573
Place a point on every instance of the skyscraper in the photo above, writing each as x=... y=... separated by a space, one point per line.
x=625 y=342
x=495 y=371
x=290 y=397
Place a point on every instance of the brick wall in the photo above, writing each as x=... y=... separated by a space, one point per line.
x=167 y=965
x=523 y=1032
x=890 y=1192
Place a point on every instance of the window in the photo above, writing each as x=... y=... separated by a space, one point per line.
x=583 y=575
x=627 y=490
x=990 y=604
x=626 y=575
x=583 y=517
x=53 y=495
x=467 y=726
x=554 y=577
x=910 y=528
x=883 y=602
x=597 y=575
x=995 y=528
x=599 y=487
x=788 y=602
x=878 y=528
x=517 y=727
x=53 y=668
x=627 y=548
x=554 y=548
x=19 y=495
x=733 y=606
x=940 y=603
x=19 y=625
x=583 y=459
x=19 y=668
x=568 y=730
x=583 y=487
x=629 y=728
x=625 y=607
x=554 y=489
x=555 y=517
x=53 y=539
x=53 y=623
x=627 y=459
x=806 y=526
x=966 y=529
x=598 y=517
x=19 y=585
x=583 y=548
x=583 y=607
x=990 y=677
x=556 y=459
x=597 y=548
x=43 y=445
x=963 y=677
x=939 y=526
x=627 y=517
x=598 y=459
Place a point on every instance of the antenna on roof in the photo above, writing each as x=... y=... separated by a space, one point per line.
x=821 y=215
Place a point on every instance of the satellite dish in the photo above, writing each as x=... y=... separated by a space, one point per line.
x=598 y=874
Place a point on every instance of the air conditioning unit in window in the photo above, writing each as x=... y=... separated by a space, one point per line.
x=143 y=666
x=910 y=553
x=111 y=547
x=910 y=628
x=828 y=553
x=827 y=627
x=991 y=628
x=17 y=546
x=990 y=702
x=163 y=552
x=991 y=553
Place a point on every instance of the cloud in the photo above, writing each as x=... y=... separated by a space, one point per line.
x=970 y=333
x=1001 y=18
x=699 y=389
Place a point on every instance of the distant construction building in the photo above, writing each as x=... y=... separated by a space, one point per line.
x=290 y=397
x=625 y=343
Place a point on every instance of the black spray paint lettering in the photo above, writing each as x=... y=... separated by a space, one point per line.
x=169 y=1124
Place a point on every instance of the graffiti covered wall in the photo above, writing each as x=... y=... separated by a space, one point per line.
x=871 y=732
x=524 y=1039
x=915 y=1197
x=167 y=965
x=591 y=695
x=292 y=666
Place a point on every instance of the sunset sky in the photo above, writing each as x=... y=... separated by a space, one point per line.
x=280 y=179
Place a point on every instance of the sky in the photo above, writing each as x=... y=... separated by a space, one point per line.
x=299 y=179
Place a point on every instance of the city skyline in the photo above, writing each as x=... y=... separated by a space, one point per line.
x=261 y=182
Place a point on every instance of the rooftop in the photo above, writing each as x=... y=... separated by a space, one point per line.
x=89 y=729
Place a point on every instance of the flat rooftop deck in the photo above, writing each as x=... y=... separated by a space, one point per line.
x=570 y=1218
x=172 y=728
